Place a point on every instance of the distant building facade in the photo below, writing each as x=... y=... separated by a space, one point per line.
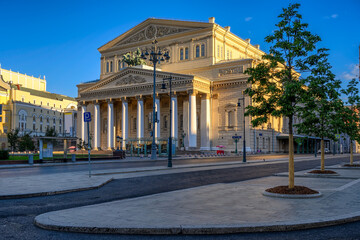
x=27 y=106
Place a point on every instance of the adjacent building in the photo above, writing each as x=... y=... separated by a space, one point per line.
x=27 y=106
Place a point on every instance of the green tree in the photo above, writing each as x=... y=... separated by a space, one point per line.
x=276 y=86
x=13 y=139
x=350 y=115
x=51 y=132
x=133 y=59
x=26 y=143
x=322 y=105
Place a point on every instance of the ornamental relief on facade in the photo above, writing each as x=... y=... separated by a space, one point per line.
x=152 y=31
x=232 y=70
x=130 y=80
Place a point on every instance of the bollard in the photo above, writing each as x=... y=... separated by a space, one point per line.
x=73 y=157
x=31 y=159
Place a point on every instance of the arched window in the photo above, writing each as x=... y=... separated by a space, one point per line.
x=181 y=54
x=181 y=122
x=119 y=65
x=60 y=121
x=34 y=122
x=202 y=50
x=107 y=67
x=54 y=122
x=165 y=122
x=22 y=120
x=197 y=51
x=34 y=118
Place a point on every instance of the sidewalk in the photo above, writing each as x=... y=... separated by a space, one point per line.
x=57 y=183
x=219 y=209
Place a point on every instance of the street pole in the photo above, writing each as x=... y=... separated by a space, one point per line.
x=244 y=141
x=88 y=130
x=153 y=145
x=170 y=135
x=156 y=56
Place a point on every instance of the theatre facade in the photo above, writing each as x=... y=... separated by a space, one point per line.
x=207 y=64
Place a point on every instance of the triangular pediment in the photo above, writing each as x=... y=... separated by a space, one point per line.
x=132 y=76
x=154 y=28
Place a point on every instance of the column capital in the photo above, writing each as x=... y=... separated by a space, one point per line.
x=139 y=97
x=96 y=102
x=205 y=95
x=110 y=100
x=83 y=103
x=192 y=92
x=124 y=99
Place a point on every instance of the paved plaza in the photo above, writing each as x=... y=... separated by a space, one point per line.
x=219 y=208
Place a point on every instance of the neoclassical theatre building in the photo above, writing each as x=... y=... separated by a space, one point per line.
x=207 y=64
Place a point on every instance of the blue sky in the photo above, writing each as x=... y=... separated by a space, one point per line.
x=59 y=39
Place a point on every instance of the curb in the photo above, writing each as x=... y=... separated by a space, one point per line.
x=292 y=196
x=28 y=195
x=205 y=229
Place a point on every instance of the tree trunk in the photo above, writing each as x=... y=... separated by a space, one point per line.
x=322 y=155
x=351 y=153
x=291 y=154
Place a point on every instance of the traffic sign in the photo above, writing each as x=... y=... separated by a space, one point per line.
x=236 y=137
x=87 y=117
x=260 y=134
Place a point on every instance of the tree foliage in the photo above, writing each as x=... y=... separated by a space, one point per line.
x=350 y=116
x=276 y=85
x=133 y=59
x=26 y=143
x=13 y=139
x=321 y=103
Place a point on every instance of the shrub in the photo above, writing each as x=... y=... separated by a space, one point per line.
x=4 y=155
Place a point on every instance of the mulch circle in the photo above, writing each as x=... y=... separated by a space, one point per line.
x=296 y=190
x=323 y=172
x=352 y=165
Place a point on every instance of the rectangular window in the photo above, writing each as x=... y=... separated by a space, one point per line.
x=186 y=53
x=181 y=54
x=1 y=109
x=227 y=54
x=218 y=51
x=203 y=50
x=0 y=119
x=221 y=52
x=197 y=51
x=111 y=66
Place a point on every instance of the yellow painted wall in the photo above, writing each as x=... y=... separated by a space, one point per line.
x=24 y=80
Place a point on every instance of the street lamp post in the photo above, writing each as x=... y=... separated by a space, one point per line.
x=155 y=56
x=244 y=141
x=163 y=87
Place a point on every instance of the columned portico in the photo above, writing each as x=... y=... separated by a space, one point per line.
x=96 y=125
x=205 y=122
x=124 y=127
x=110 y=125
x=140 y=117
x=157 y=123
x=192 y=119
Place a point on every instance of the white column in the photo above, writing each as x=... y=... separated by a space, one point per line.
x=96 y=126
x=157 y=124
x=124 y=126
x=140 y=118
x=192 y=120
x=186 y=123
x=83 y=124
x=174 y=124
x=205 y=122
x=110 y=125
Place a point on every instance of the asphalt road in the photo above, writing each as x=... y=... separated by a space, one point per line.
x=11 y=172
x=16 y=216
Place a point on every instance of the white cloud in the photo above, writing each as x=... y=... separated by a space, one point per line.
x=352 y=73
x=333 y=16
x=248 y=19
